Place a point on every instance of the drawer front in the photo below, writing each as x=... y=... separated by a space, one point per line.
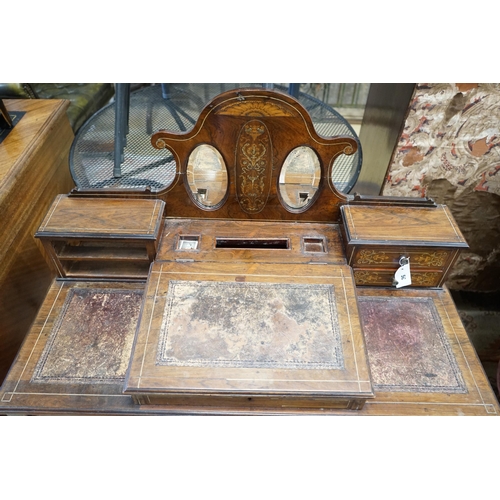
x=382 y=277
x=420 y=258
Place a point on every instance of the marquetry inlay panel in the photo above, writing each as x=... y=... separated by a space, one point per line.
x=254 y=158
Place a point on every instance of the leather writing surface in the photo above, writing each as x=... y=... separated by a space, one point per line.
x=267 y=325
x=407 y=346
x=92 y=337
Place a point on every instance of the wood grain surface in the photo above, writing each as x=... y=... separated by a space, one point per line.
x=267 y=370
x=254 y=131
x=250 y=306
x=400 y=225
x=96 y=238
x=305 y=242
x=33 y=169
x=376 y=238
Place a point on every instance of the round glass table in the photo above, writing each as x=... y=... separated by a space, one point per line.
x=174 y=107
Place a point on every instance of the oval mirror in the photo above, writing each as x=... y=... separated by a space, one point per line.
x=299 y=178
x=207 y=176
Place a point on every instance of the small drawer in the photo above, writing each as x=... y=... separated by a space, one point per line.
x=420 y=258
x=383 y=277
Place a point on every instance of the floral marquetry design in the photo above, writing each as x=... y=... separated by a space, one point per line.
x=255 y=108
x=424 y=279
x=430 y=259
x=369 y=278
x=372 y=257
x=253 y=166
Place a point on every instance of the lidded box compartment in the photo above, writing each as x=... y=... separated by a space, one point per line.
x=377 y=237
x=102 y=237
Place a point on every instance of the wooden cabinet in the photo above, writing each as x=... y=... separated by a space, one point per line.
x=95 y=238
x=33 y=170
x=376 y=238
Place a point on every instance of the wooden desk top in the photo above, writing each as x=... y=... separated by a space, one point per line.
x=24 y=139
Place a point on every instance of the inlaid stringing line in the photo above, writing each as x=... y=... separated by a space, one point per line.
x=245 y=274
x=452 y=261
x=34 y=345
x=218 y=107
x=425 y=403
x=352 y=221
x=51 y=213
x=149 y=327
x=350 y=330
x=152 y=217
x=115 y=231
x=461 y=349
x=21 y=393
x=452 y=225
x=58 y=265
x=297 y=380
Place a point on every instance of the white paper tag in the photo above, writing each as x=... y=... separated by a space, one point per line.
x=403 y=274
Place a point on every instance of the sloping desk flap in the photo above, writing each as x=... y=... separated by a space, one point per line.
x=250 y=334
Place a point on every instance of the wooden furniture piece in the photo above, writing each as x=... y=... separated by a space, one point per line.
x=221 y=329
x=378 y=237
x=93 y=238
x=33 y=169
x=250 y=307
x=75 y=358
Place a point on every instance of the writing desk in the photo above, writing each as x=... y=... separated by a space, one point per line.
x=250 y=304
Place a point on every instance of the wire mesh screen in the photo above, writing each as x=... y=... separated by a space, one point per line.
x=146 y=168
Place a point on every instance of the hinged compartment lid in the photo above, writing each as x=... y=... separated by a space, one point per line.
x=250 y=335
x=102 y=218
x=422 y=226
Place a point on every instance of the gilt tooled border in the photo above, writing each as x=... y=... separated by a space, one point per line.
x=37 y=376
x=460 y=388
x=337 y=353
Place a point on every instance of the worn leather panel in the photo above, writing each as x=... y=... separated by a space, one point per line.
x=92 y=339
x=407 y=346
x=268 y=325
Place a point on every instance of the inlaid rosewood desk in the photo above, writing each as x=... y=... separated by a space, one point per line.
x=237 y=290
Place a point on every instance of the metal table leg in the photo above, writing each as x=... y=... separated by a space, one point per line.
x=122 y=105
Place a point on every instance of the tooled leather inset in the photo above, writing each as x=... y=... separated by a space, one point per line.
x=91 y=340
x=253 y=166
x=250 y=325
x=407 y=345
x=255 y=108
